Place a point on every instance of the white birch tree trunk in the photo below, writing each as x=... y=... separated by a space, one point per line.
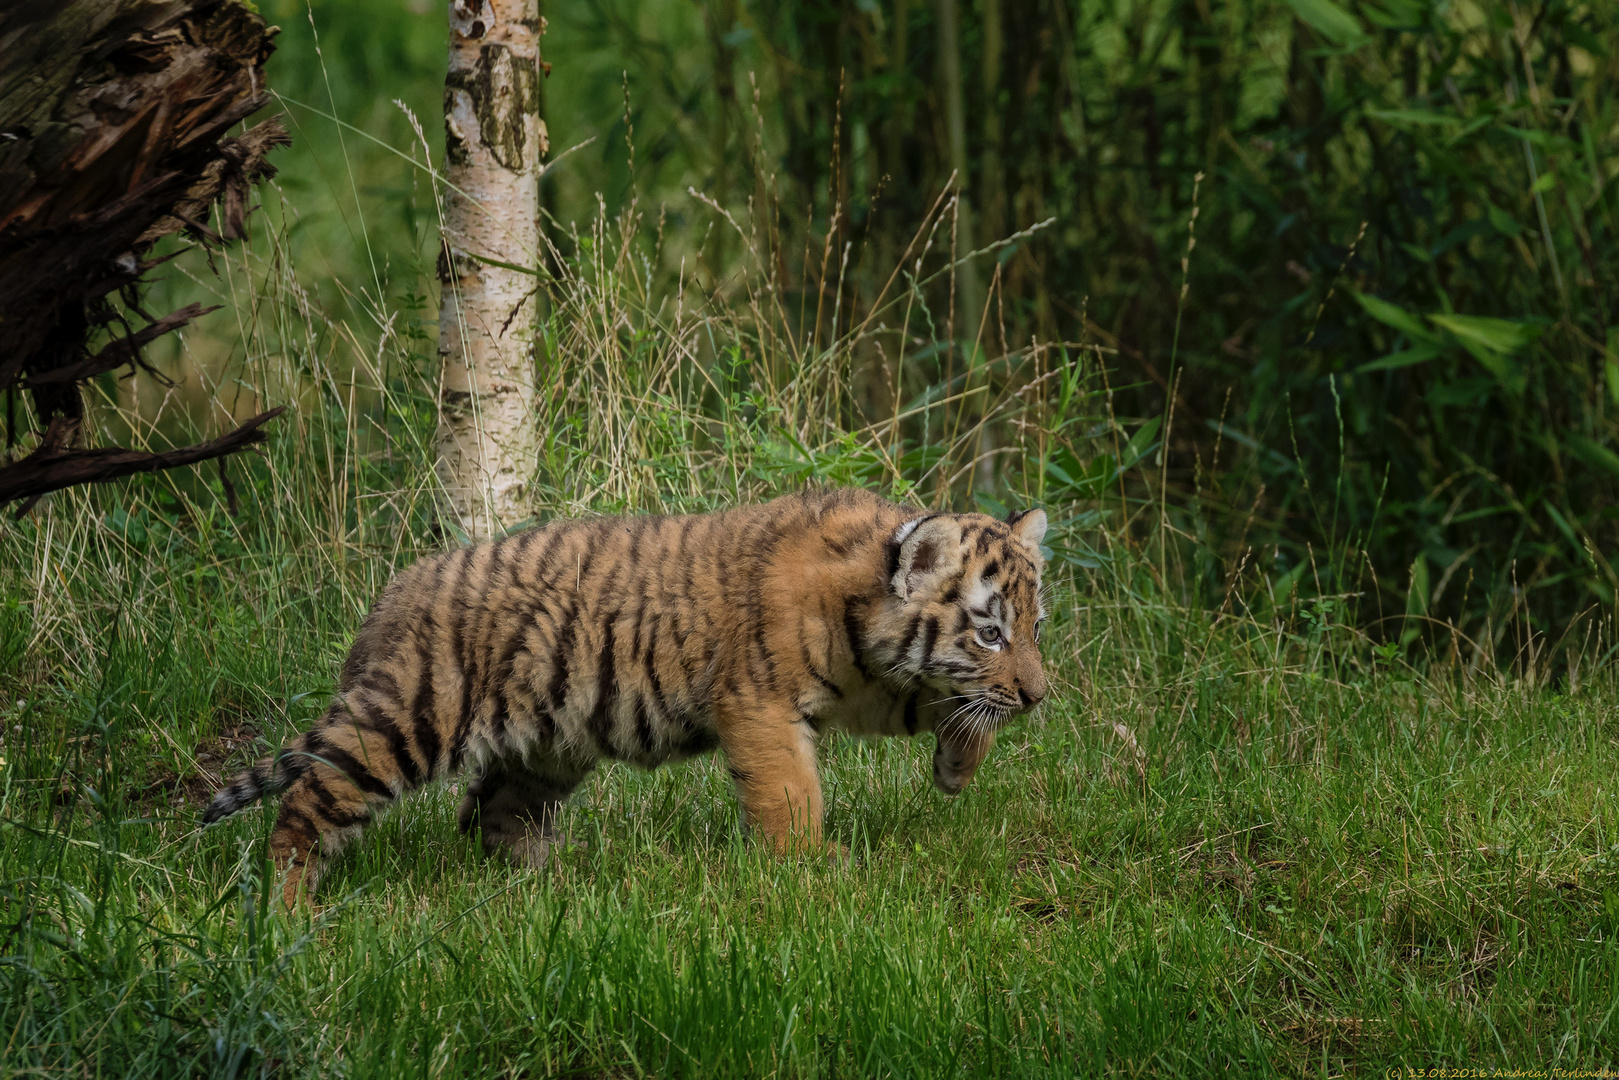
x=494 y=140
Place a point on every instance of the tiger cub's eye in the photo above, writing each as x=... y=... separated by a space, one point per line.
x=989 y=635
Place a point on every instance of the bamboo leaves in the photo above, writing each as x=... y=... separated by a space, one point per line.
x=1332 y=21
x=1593 y=453
x=1493 y=342
x=1504 y=336
x=1417 y=354
x=1393 y=315
x=1072 y=480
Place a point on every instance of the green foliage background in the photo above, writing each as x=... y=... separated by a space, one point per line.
x=1392 y=336
x=1326 y=781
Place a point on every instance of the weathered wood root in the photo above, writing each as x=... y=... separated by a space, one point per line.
x=114 y=117
x=52 y=467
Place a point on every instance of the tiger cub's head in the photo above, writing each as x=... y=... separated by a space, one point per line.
x=968 y=588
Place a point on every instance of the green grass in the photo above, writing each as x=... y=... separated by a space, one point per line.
x=1225 y=859
x=1245 y=835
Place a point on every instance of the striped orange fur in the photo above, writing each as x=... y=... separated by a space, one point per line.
x=524 y=661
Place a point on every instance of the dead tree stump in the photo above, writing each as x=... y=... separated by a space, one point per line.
x=114 y=121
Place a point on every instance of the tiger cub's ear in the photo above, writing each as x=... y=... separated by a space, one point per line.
x=919 y=549
x=1029 y=526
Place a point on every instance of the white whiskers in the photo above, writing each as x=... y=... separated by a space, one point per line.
x=978 y=716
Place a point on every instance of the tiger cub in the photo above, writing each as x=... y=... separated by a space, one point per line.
x=524 y=661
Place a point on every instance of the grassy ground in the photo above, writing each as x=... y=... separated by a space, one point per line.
x=1208 y=853
x=1239 y=837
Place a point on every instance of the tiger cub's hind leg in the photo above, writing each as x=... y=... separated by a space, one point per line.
x=514 y=806
x=353 y=764
x=320 y=813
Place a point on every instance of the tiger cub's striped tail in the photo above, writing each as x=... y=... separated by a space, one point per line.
x=270 y=776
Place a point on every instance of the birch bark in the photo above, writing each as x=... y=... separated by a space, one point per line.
x=494 y=140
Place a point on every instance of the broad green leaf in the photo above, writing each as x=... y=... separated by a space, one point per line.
x=1504 y=223
x=1406 y=12
x=1546 y=140
x=1394 y=315
x=1140 y=444
x=1593 y=453
x=529 y=270
x=1481 y=512
x=1464 y=392
x=1461 y=234
x=1333 y=21
x=1242 y=438
x=1099 y=477
x=1379 y=17
x=1416 y=601
x=1507 y=371
x=1419 y=253
x=1473 y=125
x=1404 y=358
x=1059 y=474
x=1611 y=363
x=1536 y=137
x=1282 y=587
x=1498 y=335
x=1413 y=116
x=989 y=504
x=1579 y=36
x=1545 y=182
x=1562 y=524
x=1081 y=481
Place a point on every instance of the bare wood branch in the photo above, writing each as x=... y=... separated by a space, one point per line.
x=52 y=468
x=120 y=352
